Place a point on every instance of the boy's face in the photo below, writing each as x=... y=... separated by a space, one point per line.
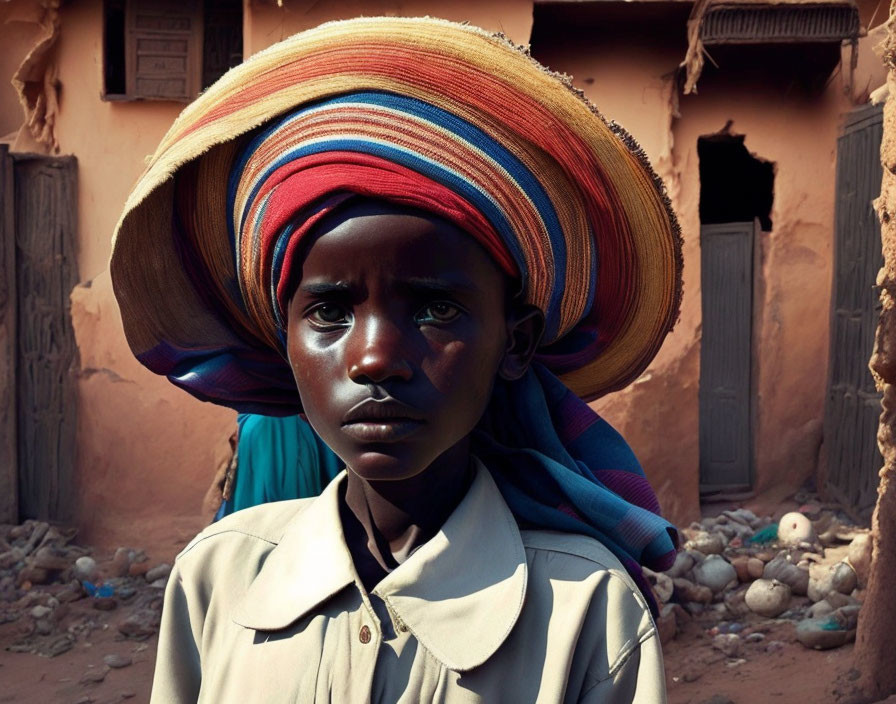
x=396 y=333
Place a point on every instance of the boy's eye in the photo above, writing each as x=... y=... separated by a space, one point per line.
x=439 y=312
x=329 y=314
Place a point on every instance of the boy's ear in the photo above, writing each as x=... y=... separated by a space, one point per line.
x=525 y=326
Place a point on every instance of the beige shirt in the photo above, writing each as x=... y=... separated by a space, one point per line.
x=266 y=606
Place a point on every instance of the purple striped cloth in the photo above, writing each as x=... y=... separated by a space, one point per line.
x=560 y=466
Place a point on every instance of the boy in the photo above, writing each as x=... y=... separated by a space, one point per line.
x=406 y=229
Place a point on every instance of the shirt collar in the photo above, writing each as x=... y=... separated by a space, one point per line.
x=472 y=573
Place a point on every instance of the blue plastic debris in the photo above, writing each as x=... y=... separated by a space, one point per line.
x=98 y=591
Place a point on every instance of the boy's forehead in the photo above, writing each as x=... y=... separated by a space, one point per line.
x=415 y=248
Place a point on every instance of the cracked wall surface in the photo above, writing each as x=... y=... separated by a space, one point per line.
x=792 y=305
x=658 y=414
x=266 y=22
x=21 y=31
x=877 y=619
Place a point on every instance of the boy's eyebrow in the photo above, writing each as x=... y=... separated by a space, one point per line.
x=418 y=284
x=425 y=284
x=323 y=288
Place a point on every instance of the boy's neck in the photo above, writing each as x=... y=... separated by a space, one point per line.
x=385 y=521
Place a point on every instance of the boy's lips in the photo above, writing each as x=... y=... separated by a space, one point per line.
x=381 y=420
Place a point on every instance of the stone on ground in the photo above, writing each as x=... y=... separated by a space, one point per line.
x=706 y=543
x=768 y=597
x=715 y=572
x=116 y=661
x=729 y=643
x=859 y=557
x=85 y=569
x=823 y=633
x=784 y=570
x=158 y=572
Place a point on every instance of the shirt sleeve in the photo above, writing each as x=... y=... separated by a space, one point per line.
x=178 y=675
x=638 y=679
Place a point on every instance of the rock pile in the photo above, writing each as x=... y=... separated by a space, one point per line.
x=53 y=593
x=738 y=570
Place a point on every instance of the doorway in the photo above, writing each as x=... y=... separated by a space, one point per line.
x=852 y=407
x=736 y=193
x=38 y=225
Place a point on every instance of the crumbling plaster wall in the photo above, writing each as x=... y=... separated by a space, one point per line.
x=146 y=450
x=20 y=30
x=658 y=414
x=873 y=656
x=798 y=133
x=793 y=280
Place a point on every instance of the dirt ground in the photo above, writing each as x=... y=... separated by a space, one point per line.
x=695 y=672
x=105 y=646
x=773 y=667
x=32 y=679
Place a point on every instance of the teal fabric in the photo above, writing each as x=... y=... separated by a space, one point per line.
x=279 y=458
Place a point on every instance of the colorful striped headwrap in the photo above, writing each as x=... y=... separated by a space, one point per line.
x=449 y=120
x=404 y=150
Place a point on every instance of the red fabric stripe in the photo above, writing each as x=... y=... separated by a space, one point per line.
x=300 y=183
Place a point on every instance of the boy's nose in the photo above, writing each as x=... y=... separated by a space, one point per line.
x=377 y=352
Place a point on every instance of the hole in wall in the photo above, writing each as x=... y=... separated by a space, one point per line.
x=735 y=186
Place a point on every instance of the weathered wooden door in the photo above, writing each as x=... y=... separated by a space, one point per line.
x=725 y=356
x=44 y=207
x=853 y=407
x=9 y=464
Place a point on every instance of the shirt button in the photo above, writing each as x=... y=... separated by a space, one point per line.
x=364 y=635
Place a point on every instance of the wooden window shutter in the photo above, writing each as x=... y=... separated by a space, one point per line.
x=164 y=49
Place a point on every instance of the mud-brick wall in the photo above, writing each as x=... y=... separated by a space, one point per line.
x=267 y=23
x=877 y=619
x=792 y=279
x=146 y=450
x=658 y=414
x=630 y=77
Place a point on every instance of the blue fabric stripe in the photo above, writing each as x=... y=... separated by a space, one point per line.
x=402 y=157
x=538 y=474
x=464 y=131
x=276 y=266
x=419 y=164
x=471 y=134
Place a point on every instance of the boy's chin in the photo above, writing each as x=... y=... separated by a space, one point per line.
x=382 y=466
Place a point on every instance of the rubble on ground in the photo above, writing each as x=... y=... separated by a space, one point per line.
x=741 y=576
x=747 y=581
x=55 y=593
